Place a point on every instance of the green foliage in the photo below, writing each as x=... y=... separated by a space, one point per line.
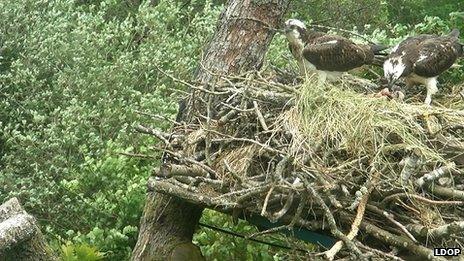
x=219 y=246
x=72 y=76
x=73 y=252
x=412 y=12
x=342 y=14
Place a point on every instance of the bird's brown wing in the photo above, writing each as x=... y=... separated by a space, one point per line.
x=436 y=56
x=335 y=53
x=412 y=42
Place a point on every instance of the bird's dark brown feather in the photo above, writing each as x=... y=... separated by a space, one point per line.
x=428 y=55
x=336 y=53
x=412 y=42
x=441 y=55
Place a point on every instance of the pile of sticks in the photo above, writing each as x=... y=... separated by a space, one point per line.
x=234 y=152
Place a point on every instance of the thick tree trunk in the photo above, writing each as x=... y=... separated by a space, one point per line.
x=20 y=237
x=242 y=37
x=241 y=40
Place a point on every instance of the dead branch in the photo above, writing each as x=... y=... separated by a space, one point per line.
x=332 y=224
x=454 y=228
x=260 y=116
x=435 y=174
x=166 y=187
x=446 y=192
x=414 y=196
x=391 y=218
x=398 y=241
x=288 y=203
x=330 y=254
x=164 y=137
x=266 y=201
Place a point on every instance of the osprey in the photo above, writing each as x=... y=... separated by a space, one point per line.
x=421 y=59
x=328 y=55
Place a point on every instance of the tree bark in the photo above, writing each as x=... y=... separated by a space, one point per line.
x=239 y=44
x=244 y=33
x=20 y=237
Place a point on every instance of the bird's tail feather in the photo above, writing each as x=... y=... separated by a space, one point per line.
x=454 y=33
x=378 y=48
x=379 y=60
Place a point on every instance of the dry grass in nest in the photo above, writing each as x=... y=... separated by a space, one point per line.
x=236 y=161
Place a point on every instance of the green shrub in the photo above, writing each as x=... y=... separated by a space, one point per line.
x=72 y=252
x=413 y=12
x=72 y=76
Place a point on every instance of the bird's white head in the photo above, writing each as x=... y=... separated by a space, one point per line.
x=294 y=30
x=296 y=23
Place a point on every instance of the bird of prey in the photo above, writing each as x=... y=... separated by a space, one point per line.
x=328 y=55
x=421 y=59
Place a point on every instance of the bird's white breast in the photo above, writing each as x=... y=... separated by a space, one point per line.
x=394 y=67
x=295 y=39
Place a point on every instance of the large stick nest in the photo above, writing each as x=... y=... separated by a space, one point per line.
x=383 y=177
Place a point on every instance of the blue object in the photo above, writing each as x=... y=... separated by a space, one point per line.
x=300 y=233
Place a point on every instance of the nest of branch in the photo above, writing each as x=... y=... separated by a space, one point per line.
x=382 y=177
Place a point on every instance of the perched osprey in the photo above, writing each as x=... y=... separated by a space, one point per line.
x=420 y=59
x=328 y=55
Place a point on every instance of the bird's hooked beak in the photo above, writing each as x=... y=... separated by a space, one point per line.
x=276 y=30
x=391 y=83
x=279 y=30
x=285 y=28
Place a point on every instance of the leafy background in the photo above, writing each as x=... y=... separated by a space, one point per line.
x=74 y=74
